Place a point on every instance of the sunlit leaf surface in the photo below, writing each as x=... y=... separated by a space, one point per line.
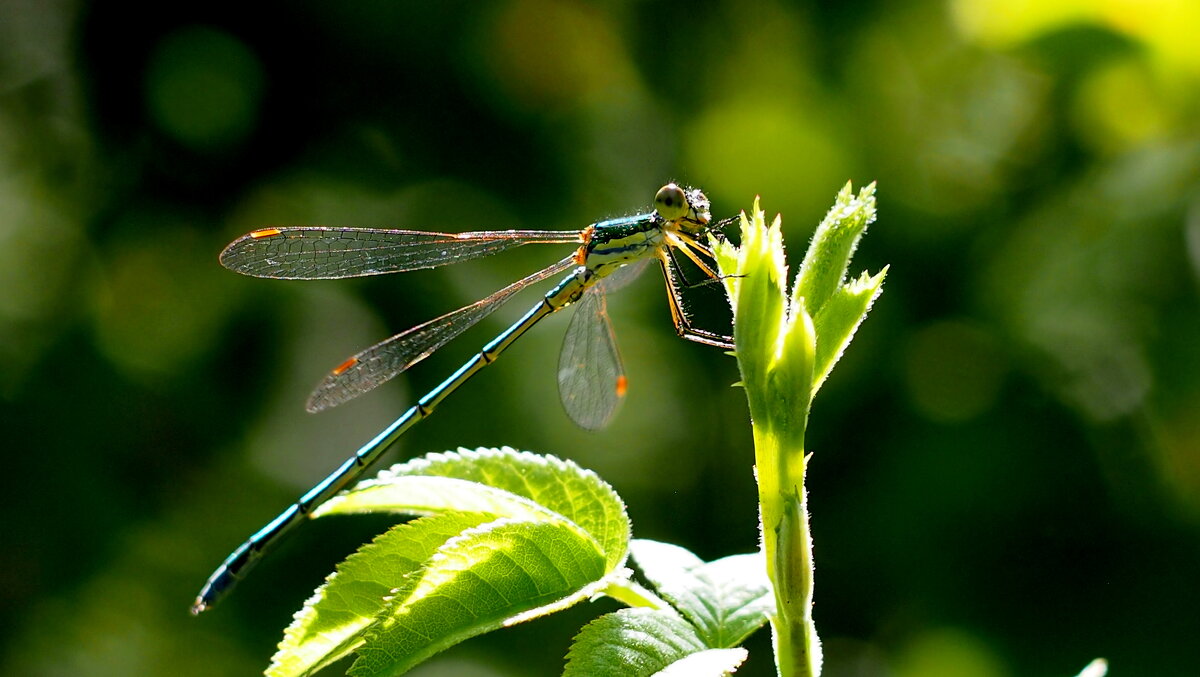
x=499 y=544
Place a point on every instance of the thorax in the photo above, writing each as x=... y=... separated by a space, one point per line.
x=616 y=242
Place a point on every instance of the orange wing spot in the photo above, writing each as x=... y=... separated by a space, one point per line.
x=622 y=385
x=265 y=232
x=338 y=370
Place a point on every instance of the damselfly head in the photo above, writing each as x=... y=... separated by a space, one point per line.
x=671 y=202
x=686 y=207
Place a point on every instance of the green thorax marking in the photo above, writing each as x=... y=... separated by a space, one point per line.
x=619 y=241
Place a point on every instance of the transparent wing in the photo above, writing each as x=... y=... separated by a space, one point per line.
x=591 y=380
x=325 y=253
x=621 y=277
x=383 y=361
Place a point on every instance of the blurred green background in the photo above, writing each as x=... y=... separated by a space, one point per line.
x=1007 y=462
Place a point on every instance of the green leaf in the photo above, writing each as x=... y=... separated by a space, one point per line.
x=548 y=483
x=794 y=373
x=839 y=319
x=833 y=245
x=726 y=599
x=507 y=536
x=333 y=620
x=497 y=574
x=409 y=495
x=646 y=642
x=755 y=279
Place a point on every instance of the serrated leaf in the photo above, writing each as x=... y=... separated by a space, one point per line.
x=726 y=599
x=408 y=495
x=547 y=482
x=642 y=642
x=839 y=319
x=508 y=536
x=333 y=620
x=832 y=246
x=493 y=575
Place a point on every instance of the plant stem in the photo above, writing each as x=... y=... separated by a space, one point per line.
x=776 y=351
x=788 y=547
x=775 y=334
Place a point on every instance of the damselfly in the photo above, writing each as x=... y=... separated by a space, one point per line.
x=590 y=377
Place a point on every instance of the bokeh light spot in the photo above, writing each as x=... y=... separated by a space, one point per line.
x=39 y=243
x=544 y=53
x=1177 y=451
x=1166 y=27
x=954 y=371
x=948 y=653
x=769 y=148
x=1000 y=22
x=1119 y=107
x=161 y=303
x=203 y=88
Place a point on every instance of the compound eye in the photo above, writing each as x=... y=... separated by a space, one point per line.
x=671 y=202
